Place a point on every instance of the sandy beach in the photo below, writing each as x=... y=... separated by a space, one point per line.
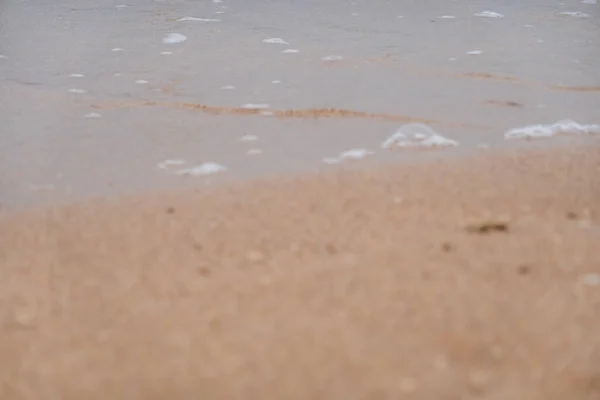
x=262 y=199
x=477 y=278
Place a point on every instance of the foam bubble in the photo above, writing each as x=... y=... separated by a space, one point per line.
x=417 y=135
x=447 y=17
x=167 y=163
x=255 y=106
x=76 y=75
x=489 y=14
x=172 y=38
x=565 y=126
x=290 y=51
x=198 y=19
x=92 y=115
x=353 y=154
x=202 y=169
x=248 y=138
x=576 y=14
x=77 y=91
x=141 y=81
x=117 y=49
x=332 y=58
x=474 y=52
x=275 y=41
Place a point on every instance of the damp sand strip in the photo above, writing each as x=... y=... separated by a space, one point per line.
x=309 y=113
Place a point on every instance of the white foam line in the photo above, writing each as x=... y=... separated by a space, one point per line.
x=170 y=162
x=92 y=115
x=77 y=91
x=172 y=38
x=76 y=75
x=417 y=135
x=565 y=126
x=575 y=14
x=202 y=169
x=353 y=154
x=332 y=58
x=489 y=14
x=198 y=19
x=248 y=138
x=257 y=106
x=275 y=41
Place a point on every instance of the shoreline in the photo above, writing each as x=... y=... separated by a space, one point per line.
x=471 y=277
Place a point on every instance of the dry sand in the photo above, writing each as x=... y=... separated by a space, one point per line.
x=470 y=279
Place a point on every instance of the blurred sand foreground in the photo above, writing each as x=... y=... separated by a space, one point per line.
x=470 y=279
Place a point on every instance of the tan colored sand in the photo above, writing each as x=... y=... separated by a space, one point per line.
x=473 y=279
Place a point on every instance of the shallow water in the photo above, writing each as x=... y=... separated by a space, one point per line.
x=94 y=97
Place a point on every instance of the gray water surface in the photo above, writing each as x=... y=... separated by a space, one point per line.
x=93 y=99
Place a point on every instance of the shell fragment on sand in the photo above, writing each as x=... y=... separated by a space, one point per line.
x=417 y=135
x=565 y=126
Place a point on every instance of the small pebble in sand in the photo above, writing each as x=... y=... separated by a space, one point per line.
x=24 y=317
x=487 y=226
x=591 y=279
x=497 y=352
x=408 y=385
x=440 y=362
x=255 y=256
x=479 y=379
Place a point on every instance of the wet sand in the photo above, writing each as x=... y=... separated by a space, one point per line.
x=462 y=278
